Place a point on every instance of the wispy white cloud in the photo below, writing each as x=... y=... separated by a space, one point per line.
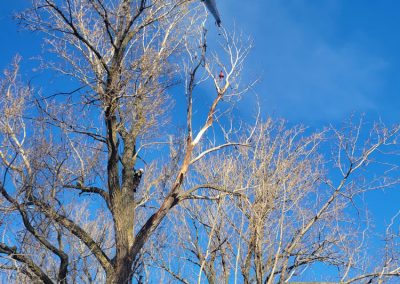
x=305 y=74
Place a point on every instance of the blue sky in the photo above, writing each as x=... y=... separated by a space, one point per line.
x=319 y=61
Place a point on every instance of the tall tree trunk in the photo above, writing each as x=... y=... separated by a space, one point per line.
x=124 y=224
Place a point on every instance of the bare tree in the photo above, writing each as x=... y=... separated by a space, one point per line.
x=72 y=163
x=282 y=204
x=92 y=175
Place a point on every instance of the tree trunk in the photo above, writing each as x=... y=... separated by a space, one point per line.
x=124 y=218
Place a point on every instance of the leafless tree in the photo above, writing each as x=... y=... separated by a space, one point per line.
x=92 y=175
x=77 y=204
x=275 y=208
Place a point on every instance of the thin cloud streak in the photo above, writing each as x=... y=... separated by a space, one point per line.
x=305 y=76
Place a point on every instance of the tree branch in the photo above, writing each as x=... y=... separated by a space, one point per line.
x=14 y=254
x=79 y=233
